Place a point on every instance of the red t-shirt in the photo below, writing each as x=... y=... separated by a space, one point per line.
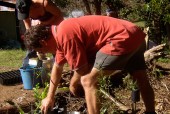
x=79 y=39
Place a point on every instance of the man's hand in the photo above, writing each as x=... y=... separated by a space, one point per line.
x=47 y=104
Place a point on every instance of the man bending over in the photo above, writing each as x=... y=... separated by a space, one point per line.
x=90 y=44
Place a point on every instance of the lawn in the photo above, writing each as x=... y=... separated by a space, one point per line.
x=11 y=59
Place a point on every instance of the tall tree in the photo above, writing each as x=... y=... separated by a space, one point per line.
x=86 y=3
x=97 y=4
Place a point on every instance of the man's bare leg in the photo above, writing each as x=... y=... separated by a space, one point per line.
x=89 y=83
x=146 y=90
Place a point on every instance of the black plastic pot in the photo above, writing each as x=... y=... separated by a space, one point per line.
x=135 y=96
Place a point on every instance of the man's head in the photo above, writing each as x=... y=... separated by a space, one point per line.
x=39 y=38
x=23 y=7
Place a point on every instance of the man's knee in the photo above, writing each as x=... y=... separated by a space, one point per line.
x=88 y=82
x=85 y=81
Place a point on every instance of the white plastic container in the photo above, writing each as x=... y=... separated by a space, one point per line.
x=47 y=64
x=33 y=62
x=73 y=112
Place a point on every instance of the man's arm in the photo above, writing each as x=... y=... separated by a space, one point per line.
x=48 y=102
x=55 y=79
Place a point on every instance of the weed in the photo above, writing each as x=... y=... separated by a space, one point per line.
x=39 y=96
x=164 y=60
x=104 y=96
x=129 y=83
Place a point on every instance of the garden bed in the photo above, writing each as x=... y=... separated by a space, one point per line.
x=25 y=98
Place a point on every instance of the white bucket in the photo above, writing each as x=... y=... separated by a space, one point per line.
x=47 y=64
x=33 y=62
x=73 y=112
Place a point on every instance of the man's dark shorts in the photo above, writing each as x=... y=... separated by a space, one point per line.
x=130 y=62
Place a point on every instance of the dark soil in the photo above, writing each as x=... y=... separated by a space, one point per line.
x=159 y=79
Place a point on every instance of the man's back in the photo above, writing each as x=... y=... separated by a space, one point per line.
x=97 y=31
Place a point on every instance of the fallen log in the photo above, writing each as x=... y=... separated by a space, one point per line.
x=154 y=52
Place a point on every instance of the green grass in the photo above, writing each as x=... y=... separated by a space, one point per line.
x=164 y=60
x=140 y=24
x=11 y=59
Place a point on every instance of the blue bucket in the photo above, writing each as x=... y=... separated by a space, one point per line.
x=30 y=77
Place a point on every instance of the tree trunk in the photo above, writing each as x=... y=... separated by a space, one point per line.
x=167 y=25
x=97 y=4
x=86 y=3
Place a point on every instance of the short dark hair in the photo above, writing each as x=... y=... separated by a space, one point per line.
x=36 y=33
